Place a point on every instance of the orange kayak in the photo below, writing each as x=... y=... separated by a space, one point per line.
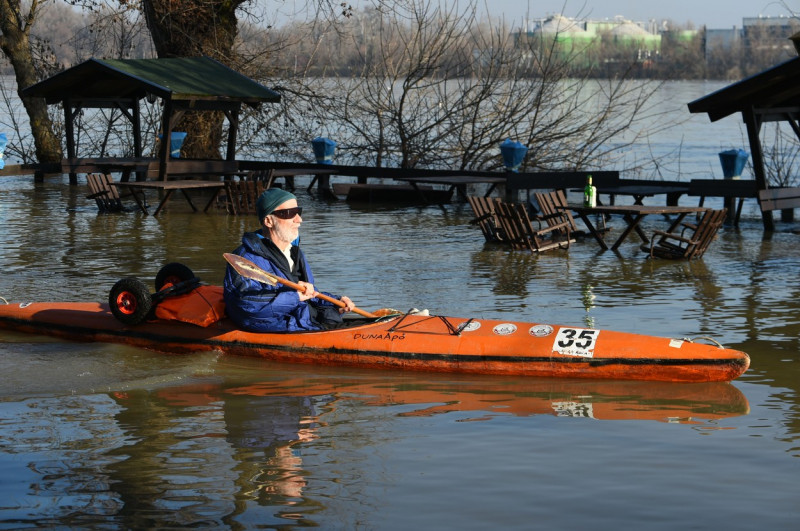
x=407 y=342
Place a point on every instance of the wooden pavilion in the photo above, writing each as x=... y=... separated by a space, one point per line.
x=770 y=96
x=182 y=83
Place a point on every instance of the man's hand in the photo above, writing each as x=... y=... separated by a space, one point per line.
x=308 y=293
x=348 y=305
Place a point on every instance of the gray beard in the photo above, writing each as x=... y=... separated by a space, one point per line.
x=285 y=234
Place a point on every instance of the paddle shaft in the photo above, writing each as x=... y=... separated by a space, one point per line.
x=248 y=269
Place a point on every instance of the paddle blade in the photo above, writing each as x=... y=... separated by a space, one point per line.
x=248 y=269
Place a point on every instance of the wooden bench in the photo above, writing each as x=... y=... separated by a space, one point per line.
x=558 y=180
x=103 y=191
x=785 y=199
x=728 y=189
x=194 y=169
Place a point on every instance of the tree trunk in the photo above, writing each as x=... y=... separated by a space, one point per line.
x=190 y=29
x=15 y=43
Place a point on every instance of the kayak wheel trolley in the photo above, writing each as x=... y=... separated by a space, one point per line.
x=131 y=301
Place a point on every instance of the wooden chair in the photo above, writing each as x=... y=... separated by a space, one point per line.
x=103 y=191
x=241 y=195
x=520 y=233
x=692 y=240
x=266 y=177
x=553 y=209
x=486 y=218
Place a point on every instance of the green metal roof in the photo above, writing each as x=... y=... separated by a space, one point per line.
x=176 y=79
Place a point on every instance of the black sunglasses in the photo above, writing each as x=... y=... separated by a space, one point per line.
x=288 y=213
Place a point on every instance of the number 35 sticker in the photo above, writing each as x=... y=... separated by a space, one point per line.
x=576 y=342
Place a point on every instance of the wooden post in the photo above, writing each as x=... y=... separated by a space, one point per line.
x=753 y=123
x=69 y=125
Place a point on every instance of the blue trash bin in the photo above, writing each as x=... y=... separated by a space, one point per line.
x=3 y=143
x=324 y=148
x=513 y=154
x=175 y=143
x=733 y=161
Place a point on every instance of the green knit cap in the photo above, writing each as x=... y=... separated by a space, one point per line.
x=270 y=200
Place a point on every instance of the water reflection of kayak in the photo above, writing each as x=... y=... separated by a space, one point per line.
x=413 y=342
x=685 y=403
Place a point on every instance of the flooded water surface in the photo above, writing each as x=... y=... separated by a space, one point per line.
x=115 y=437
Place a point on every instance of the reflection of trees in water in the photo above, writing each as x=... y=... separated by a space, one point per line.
x=767 y=309
x=174 y=471
x=508 y=272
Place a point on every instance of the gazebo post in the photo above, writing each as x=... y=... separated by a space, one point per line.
x=69 y=125
x=753 y=124
x=166 y=133
x=233 y=130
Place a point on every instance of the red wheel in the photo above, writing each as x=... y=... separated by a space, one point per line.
x=130 y=301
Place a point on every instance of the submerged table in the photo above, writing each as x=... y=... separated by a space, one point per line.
x=639 y=192
x=633 y=215
x=455 y=182
x=138 y=187
x=289 y=174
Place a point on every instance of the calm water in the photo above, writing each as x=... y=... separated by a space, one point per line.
x=113 y=437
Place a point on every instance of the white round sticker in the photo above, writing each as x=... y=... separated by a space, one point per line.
x=541 y=330
x=505 y=329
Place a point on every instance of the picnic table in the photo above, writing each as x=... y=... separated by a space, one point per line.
x=168 y=187
x=455 y=182
x=633 y=216
x=640 y=191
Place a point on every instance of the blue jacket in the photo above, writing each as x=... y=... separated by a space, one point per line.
x=258 y=307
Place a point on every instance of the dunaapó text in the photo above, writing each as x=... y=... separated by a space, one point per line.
x=387 y=335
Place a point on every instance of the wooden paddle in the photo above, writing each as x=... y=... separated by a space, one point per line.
x=248 y=269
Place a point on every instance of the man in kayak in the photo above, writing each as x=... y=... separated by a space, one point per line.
x=259 y=307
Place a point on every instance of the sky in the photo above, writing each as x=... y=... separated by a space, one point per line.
x=715 y=14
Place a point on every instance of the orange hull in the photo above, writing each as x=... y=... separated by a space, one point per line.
x=435 y=343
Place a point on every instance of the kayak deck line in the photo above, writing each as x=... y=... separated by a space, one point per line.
x=413 y=342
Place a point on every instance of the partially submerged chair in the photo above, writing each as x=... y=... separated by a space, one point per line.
x=520 y=233
x=553 y=208
x=103 y=191
x=486 y=218
x=241 y=195
x=692 y=240
x=265 y=177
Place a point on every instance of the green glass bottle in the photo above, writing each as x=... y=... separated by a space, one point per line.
x=589 y=193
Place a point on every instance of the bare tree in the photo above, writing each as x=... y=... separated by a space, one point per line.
x=781 y=154
x=15 y=24
x=431 y=87
x=190 y=28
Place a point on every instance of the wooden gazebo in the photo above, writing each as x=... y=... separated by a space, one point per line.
x=770 y=96
x=183 y=83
